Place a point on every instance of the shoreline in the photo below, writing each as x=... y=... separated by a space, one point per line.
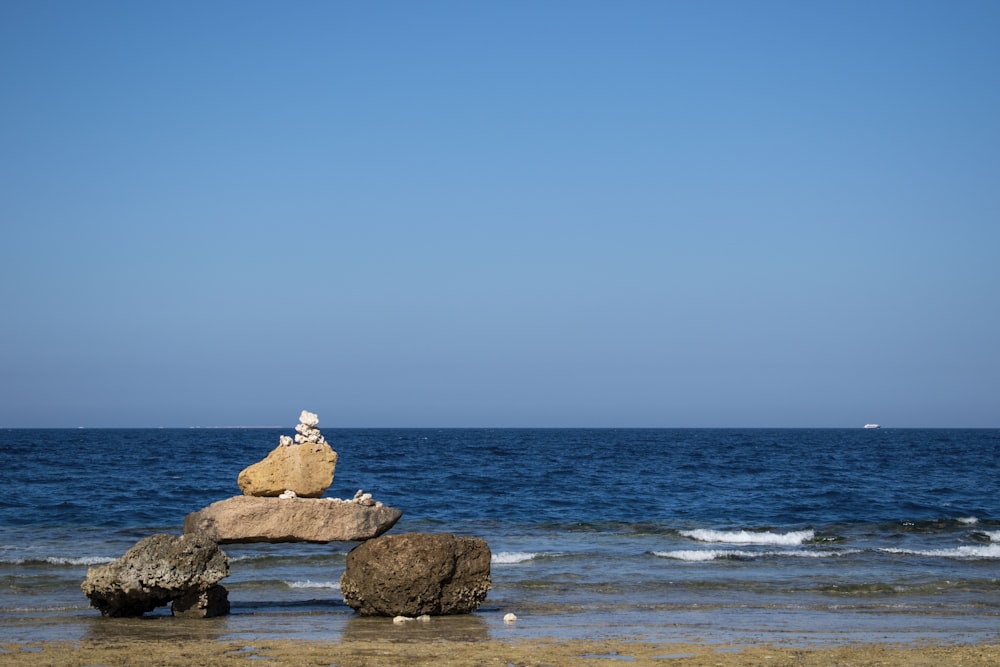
x=347 y=640
x=797 y=628
x=465 y=653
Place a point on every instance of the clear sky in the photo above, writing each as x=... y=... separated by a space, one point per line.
x=507 y=213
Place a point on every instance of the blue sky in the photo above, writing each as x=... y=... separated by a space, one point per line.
x=500 y=213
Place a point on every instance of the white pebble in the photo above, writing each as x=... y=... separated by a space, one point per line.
x=308 y=418
x=509 y=618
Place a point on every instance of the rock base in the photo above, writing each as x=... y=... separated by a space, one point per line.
x=415 y=574
x=157 y=570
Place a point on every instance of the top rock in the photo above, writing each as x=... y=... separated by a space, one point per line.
x=305 y=465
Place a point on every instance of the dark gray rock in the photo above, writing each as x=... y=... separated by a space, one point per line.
x=157 y=570
x=202 y=604
x=412 y=574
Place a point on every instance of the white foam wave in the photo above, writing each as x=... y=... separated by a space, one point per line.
x=750 y=537
x=58 y=560
x=993 y=535
x=968 y=520
x=987 y=551
x=701 y=555
x=86 y=560
x=335 y=585
x=513 y=557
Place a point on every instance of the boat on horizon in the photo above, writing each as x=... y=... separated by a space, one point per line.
x=872 y=426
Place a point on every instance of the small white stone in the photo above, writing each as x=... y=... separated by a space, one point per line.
x=425 y=618
x=286 y=441
x=509 y=618
x=309 y=418
x=401 y=619
x=288 y=494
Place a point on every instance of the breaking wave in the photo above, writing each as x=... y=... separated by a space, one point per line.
x=986 y=551
x=701 y=555
x=335 y=585
x=58 y=560
x=793 y=538
x=513 y=557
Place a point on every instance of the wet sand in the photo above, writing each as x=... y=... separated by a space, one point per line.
x=457 y=641
x=347 y=640
x=501 y=653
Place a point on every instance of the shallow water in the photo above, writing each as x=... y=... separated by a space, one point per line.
x=824 y=535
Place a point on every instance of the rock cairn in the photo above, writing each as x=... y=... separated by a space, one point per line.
x=282 y=501
x=306 y=430
x=406 y=575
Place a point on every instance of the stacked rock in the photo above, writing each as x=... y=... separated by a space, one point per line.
x=304 y=465
x=306 y=430
x=282 y=501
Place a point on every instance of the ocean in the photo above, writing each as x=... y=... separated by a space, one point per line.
x=783 y=535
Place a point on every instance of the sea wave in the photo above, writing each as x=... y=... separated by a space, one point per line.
x=750 y=537
x=58 y=560
x=701 y=555
x=335 y=585
x=275 y=560
x=514 y=557
x=988 y=551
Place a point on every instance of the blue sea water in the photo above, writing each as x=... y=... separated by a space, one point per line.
x=667 y=533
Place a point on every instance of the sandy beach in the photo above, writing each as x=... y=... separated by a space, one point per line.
x=526 y=653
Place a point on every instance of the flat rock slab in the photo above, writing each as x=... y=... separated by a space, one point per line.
x=257 y=519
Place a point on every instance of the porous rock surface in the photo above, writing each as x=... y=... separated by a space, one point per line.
x=306 y=468
x=303 y=465
x=255 y=519
x=413 y=574
x=157 y=570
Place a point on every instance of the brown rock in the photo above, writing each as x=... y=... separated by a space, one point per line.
x=412 y=574
x=253 y=519
x=307 y=469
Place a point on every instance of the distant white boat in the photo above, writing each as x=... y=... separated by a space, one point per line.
x=872 y=426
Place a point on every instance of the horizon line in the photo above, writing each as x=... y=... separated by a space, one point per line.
x=292 y=426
